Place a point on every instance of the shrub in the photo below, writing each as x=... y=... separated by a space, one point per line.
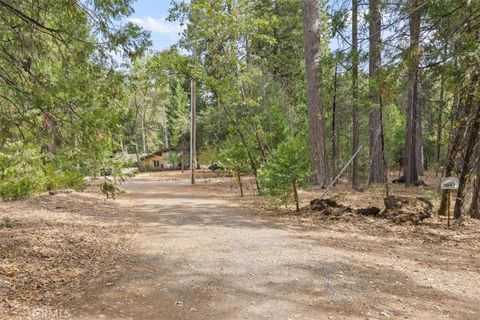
x=21 y=171
x=233 y=158
x=288 y=169
x=56 y=180
x=16 y=189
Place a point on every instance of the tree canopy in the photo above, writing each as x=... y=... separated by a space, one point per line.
x=400 y=78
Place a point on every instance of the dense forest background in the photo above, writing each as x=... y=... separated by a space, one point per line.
x=287 y=91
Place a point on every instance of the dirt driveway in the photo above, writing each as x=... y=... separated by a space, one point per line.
x=199 y=255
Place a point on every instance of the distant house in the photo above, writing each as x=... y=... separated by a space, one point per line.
x=154 y=161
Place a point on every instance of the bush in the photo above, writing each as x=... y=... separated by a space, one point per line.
x=16 y=189
x=21 y=171
x=233 y=158
x=64 y=180
x=288 y=170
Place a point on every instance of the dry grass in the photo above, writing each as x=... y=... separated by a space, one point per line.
x=56 y=247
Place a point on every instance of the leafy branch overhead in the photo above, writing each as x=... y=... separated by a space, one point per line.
x=286 y=91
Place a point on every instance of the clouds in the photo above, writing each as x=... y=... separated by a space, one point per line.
x=159 y=26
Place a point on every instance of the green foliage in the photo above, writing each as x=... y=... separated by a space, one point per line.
x=208 y=154
x=67 y=109
x=289 y=168
x=394 y=135
x=109 y=189
x=233 y=158
x=62 y=99
x=24 y=171
x=20 y=171
x=181 y=107
x=56 y=180
x=15 y=189
x=173 y=157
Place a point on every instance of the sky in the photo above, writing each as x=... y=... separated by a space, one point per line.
x=151 y=14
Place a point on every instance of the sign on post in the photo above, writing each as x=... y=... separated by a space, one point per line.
x=449 y=183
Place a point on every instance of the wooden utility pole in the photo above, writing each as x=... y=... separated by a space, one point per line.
x=193 y=125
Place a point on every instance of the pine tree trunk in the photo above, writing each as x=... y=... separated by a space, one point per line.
x=472 y=140
x=475 y=207
x=335 y=136
x=450 y=166
x=314 y=102
x=355 y=111
x=458 y=112
x=377 y=170
x=412 y=152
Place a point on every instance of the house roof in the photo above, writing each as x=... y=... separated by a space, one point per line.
x=155 y=153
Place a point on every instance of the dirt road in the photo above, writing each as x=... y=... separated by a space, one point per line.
x=200 y=256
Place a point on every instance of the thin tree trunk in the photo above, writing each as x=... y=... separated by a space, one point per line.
x=355 y=110
x=316 y=135
x=253 y=164
x=254 y=129
x=438 y=145
x=139 y=165
x=335 y=136
x=377 y=170
x=295 y=195
x=182 y=155
x=144 y=143
x=50 y=127
x=240 y=185
x=419 y=139
x=165 y=133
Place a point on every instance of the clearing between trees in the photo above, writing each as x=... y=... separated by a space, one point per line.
x=168 y=250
